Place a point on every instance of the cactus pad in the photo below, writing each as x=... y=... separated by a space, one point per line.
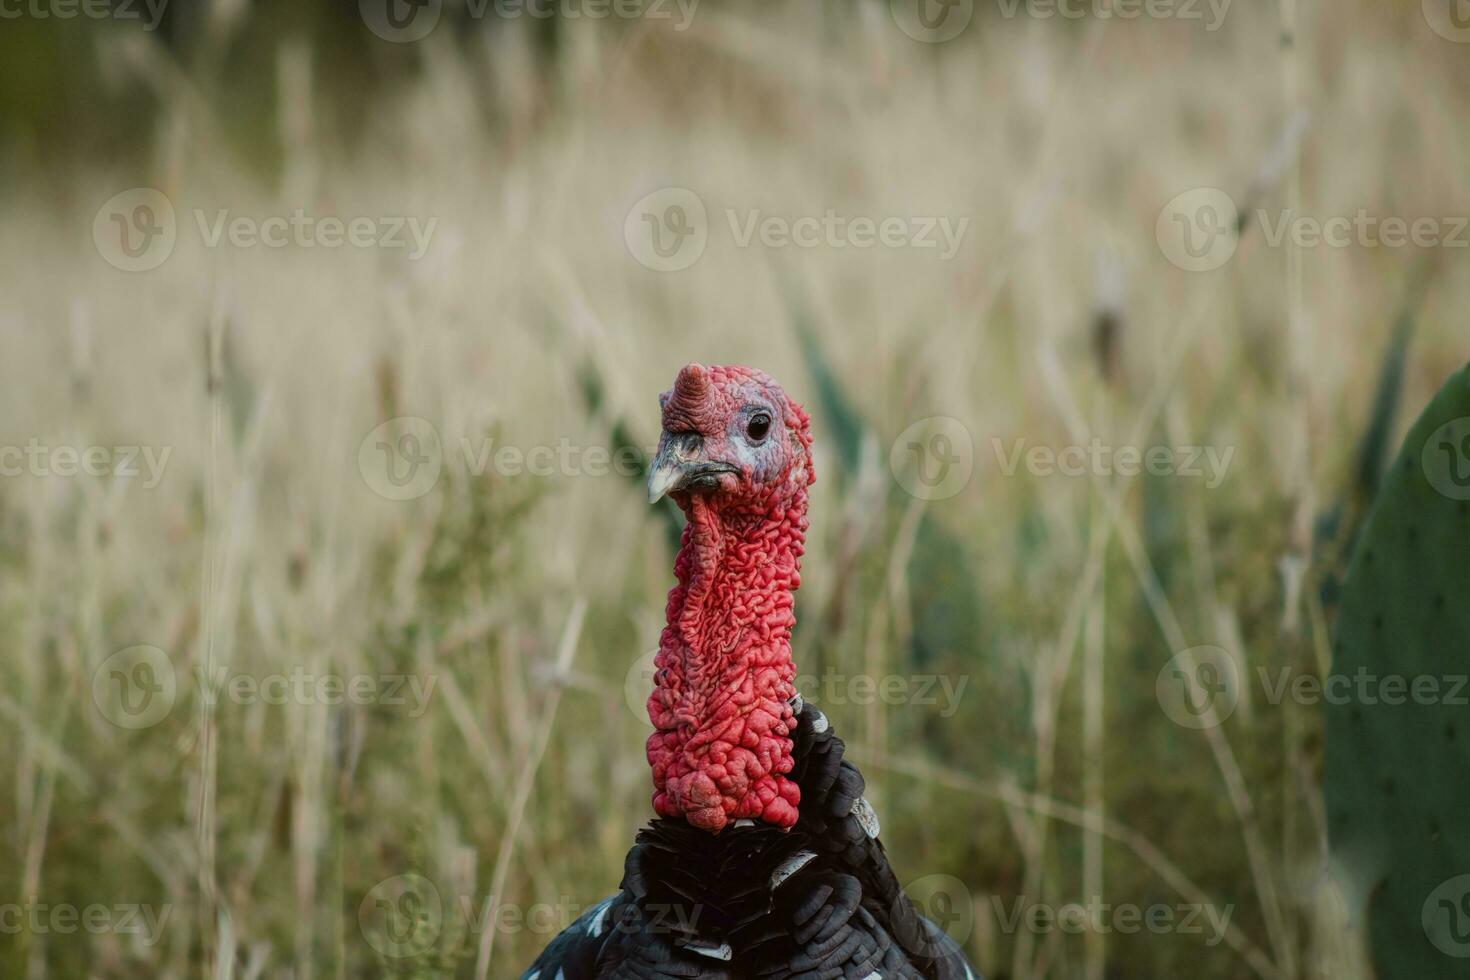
x=1397 y=778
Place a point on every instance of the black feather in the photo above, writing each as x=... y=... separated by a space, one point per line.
x=695 y=904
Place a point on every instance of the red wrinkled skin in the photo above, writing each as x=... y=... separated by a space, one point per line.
x=724 y=672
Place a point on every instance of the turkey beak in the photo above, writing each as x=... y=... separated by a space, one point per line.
x=679 y=465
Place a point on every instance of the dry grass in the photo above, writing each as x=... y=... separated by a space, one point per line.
x=1057 y=599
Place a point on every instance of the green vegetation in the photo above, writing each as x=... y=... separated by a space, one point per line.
x=1028 y=628
x=1393 y=811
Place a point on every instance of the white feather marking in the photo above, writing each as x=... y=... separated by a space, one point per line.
x=720 y=952
x=819 y=723
x=594 y=926
x=789 y=867
x=863 y=810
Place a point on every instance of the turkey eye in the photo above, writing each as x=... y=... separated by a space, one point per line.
x=759 y=425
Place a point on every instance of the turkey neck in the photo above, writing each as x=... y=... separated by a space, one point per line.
x=721 y=749
x=737 y=572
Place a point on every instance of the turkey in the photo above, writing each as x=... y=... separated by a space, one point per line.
x=764 y=858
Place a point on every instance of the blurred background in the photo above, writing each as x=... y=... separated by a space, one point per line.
x=331 y=336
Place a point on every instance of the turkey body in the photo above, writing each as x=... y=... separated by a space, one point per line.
x=816 y=902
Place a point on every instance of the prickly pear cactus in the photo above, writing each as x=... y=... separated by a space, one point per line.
x=1398 y=707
